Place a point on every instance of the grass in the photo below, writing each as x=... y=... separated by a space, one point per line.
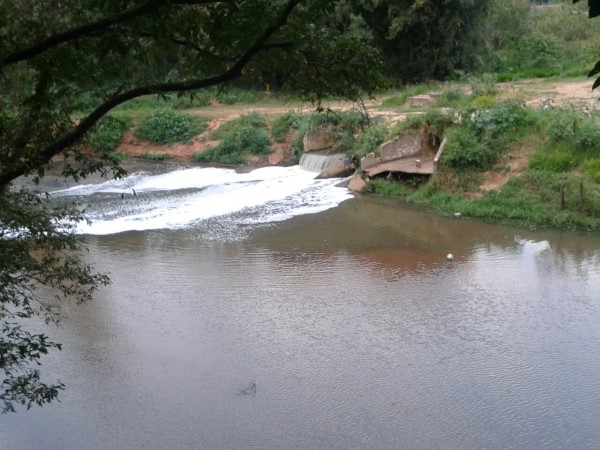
x=532 y=200
x=565 y=158
x=399 y=98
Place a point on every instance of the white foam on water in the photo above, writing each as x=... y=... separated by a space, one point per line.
x=188 y=196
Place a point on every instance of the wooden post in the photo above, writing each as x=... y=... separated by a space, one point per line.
x=581 y=193
x=562 y=196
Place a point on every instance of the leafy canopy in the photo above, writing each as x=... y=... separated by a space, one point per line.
x=55 y=53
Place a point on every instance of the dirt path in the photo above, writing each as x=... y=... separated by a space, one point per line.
x=536 y=93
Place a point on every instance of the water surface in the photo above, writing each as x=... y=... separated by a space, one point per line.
x=342 y=329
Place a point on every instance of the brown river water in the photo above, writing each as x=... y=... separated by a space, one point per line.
x=346 y=328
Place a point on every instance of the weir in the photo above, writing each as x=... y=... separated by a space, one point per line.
x=319 y=161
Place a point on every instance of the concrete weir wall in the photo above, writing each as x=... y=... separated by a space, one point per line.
x=407 y=145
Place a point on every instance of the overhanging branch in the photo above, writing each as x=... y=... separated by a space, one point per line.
x=96 y=27
x=235 y=71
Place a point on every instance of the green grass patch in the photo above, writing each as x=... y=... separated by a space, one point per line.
x=387 y=188
x=532 y=200
x=555 y=160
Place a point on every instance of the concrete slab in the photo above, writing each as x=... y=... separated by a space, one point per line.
x=404 y=165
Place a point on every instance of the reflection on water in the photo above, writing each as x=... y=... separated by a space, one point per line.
x=349 y=326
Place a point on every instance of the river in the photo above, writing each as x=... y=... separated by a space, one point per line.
x=267 y=310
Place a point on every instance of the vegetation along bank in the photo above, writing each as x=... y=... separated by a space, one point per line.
x=525 y=153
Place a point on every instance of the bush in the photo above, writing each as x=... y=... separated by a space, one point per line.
x=465 y=150
x=572 y=127
x=238 y=137
x=282 y=125
x=247 y=120
x=165 y=126
x=108 y=133
x=370 y=140
x=508 y=119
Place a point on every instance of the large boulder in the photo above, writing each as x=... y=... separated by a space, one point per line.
x=357 y=184
x=319 y=140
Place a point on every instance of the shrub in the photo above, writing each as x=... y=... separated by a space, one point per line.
x=282 y=125
x=247 y=120
x=165 y=126
x=252 y=139
x=572 y=127
x=587 y=135
x=108 y=133
x=509 y=119
x=370 y=140
x=242 y=135
x=465 y=150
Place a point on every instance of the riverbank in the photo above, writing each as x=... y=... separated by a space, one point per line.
x=523 y=153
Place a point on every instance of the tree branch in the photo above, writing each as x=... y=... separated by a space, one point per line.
x=95 y=27
x=87 y=123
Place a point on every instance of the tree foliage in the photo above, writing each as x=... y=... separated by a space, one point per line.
x=40 y=264
x=594 y=11
x=425 y=39
x=56 y=52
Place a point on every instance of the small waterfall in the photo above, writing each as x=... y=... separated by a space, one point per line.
x=319 y=161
